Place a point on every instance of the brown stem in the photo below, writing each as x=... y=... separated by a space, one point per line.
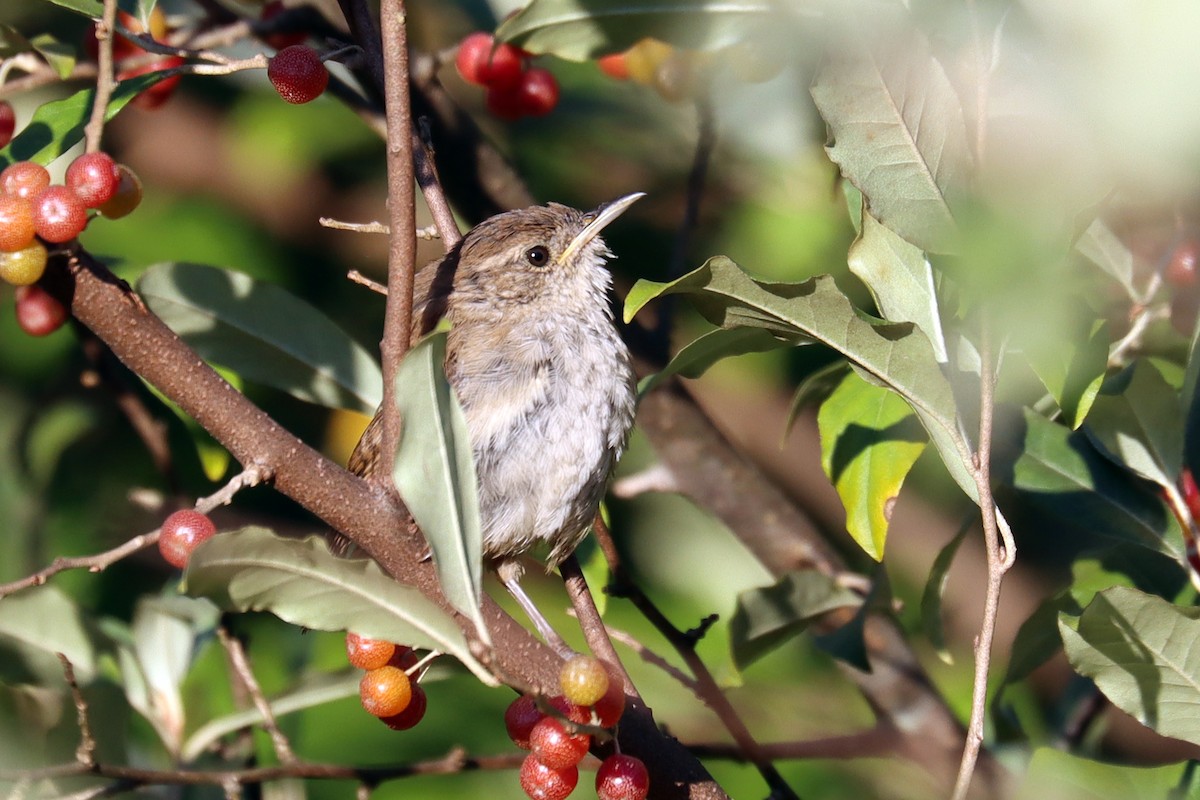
x=589 y=619
x=882 y=740
x=85 y=754
x=104 y=76
x=241 y=666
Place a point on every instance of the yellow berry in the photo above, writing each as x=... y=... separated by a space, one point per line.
x=385 y=692
x=25 y=266
x=583 y=680
x=643 y=58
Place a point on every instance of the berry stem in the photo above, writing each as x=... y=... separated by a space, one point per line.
x=104 y=77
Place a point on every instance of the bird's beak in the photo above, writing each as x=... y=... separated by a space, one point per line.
x=600 y=219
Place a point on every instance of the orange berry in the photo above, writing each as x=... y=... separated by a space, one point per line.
x=367 y=653
x=385 y=692
x=412 y=714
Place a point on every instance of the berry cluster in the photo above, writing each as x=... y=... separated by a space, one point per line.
x=181 y=534
x=514 y=89
x=34 y=213
x=387 y=690
x=297 y=74
x=676 y=73
x=132 y=60
x=592 y=694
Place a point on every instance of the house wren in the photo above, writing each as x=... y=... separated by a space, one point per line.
x=542 y=375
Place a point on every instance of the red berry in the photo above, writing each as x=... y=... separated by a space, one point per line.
x=16 y=223
x=154 y=96
x=577 y=714
x=614 y=66
x=555 y=746
x=583 y=680
x=1191 y=494
x=8 y=122
x=23 y=267
x=505 y=103
x=519 y=718
x=24 y=179
x=622 y=777
x=94 y=178
x=504 y=68
x=538 y=92
x=280 y=39
x=412 y=714
x=385 y=692
x=609 y=708
x=182 y=533
x=367 y=653
x=543 y=783
x=127 y=197
x=1181 y=269
x=297 y=74
x=58 y=214
x=38 y=313
x=404 y=657
x=472 y=57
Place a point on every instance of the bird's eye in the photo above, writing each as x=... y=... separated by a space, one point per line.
x=537 y=256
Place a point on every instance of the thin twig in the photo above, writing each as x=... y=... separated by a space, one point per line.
x=652 y=658
x=431 y=186
x=882 y=740
x=104 y=77
x=684 y=643
x=402 y=252
x=589 y=619
x=357 y=277
x=354 y=227
x=85 y=753
x=453 y=762
x=1000 y=556
x=98 y=562
x=241 y=666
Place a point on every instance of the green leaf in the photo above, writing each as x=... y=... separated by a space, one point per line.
x=935 y=587
x=1055 y=775
x=898 y=131
x=900 y=279
x=35 y=624
x=869 y=442
x=1065 y=477
x=1106 y=250
x=264 y=333
x=435 y=474
x=894 y=355
x=317 y=691
x=579 y=30
x=767 y=617
x=1038 y=638
x=1072 y=370
x=848 y=643
x=59 y=55
x=1144 y=655
x=89 y=8
x=695 y=358
x=58 y=126
x=1137 y=421
x=165 y=632
x=55 y=430
x=301 y=582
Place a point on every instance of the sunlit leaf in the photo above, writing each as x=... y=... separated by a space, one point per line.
x=58 y=126
x=1067 y=479
x=695 y=358
x=89 y=8
x=935 y=588
x=59 y=55
x=578 y=30
x=765 y=618
x=264 y=333
x=869 y=442
x=900 y=279
x=301 y=582
x=1144 y=655
x=895 y=355
x=435 y=474
x=1055 y=775
x=898 y=131
x=1137 y=421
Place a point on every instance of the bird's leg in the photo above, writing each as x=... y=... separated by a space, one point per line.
x=510 y=572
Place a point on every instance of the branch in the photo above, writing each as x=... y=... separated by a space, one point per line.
x=241 y=666
x=104 y=76
x=1000 y=557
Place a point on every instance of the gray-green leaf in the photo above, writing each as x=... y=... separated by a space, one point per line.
x=264 y=333
x=301 y=582
x=898 y=131
x=1144 y=655
x=896 y=355
x=1137 y=421
x=435 y=474
x=767 y=617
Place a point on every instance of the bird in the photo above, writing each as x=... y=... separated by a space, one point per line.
x=543 y=377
